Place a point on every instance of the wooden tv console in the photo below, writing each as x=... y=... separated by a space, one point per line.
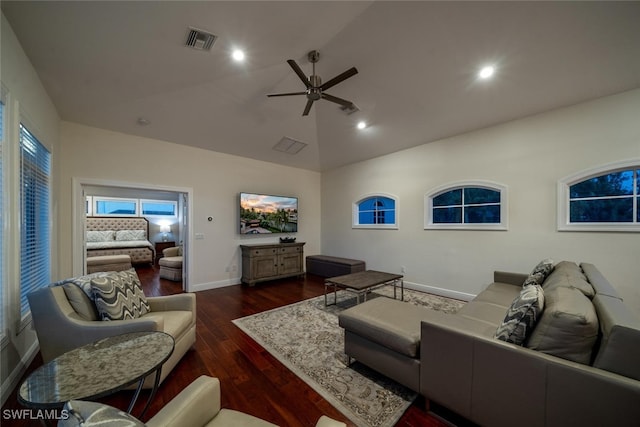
x=262 y=262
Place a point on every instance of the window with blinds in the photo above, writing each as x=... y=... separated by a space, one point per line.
x=35 y=188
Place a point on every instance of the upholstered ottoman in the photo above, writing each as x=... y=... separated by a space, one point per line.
x=108 y=263
x=384 y=334
x=331 y=266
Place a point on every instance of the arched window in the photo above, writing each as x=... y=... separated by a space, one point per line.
x=467 y=205
x=601 y=199
x=376 y=211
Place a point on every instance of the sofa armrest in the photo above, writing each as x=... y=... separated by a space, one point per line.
x=465 y=371
x=177 y=302
x=174 y=251
x=196 y=405
x=510 y=278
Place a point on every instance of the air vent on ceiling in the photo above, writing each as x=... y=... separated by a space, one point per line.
x=350 y=109
x=289 y=145
x=199 y=39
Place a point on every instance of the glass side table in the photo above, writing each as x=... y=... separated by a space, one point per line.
x=98 y=369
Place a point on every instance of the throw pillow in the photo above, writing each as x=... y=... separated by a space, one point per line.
x=86 y=414
x=131 y=235
x=539 y=273
x=118 y=295
x=522 y=315
x=80 y=302
x=100 y=236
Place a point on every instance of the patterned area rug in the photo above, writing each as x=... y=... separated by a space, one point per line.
x=306 y=338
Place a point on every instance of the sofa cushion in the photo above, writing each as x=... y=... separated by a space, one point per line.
x=539 y=272
x=501 y=294
x=522 y=316
x=118 y=295
x=171 y=261
x=568 y=327
x=568 y=275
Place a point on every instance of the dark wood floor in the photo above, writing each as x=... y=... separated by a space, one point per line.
x=252 y=380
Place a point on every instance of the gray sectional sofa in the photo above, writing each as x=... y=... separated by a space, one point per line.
x=579 y=364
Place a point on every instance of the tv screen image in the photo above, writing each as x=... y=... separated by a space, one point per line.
x=265 y=214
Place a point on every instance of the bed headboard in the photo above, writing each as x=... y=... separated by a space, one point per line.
x=102 y=223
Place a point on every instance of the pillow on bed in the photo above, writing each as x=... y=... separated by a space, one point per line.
x=128 y=235
x=100 y=236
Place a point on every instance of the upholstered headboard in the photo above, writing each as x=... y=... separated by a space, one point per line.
x=101 y=223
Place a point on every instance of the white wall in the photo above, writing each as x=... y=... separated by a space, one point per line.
x=529 y=156
x=216 y=180
x=27 y=102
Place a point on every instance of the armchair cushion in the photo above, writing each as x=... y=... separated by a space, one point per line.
x=119 y=296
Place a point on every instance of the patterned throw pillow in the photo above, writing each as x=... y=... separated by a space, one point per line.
x=131 y=235
x=118 y=295
x=100 y=236
x=540 y=273
x=522 y=316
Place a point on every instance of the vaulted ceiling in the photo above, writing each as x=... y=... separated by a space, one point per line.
x=109 y=63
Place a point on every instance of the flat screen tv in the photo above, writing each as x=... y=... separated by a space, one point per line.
x=266 y=214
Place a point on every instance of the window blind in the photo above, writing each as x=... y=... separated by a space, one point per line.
x=35 y=177
x=2 y=287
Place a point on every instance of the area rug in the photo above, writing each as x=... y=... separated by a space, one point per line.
x=306 y=338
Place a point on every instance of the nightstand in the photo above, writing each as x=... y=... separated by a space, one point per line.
x=160 y=246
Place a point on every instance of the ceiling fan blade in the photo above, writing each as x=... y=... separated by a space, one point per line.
x=287 y=94
x=308 y=107
x=337 y=100
x=339 y=78
x=299 y=72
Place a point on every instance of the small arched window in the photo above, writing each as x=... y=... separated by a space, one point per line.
x=467 y=205
x=601 y=199
x=376 y=211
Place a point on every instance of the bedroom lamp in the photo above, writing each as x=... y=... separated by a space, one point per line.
x=164 y=229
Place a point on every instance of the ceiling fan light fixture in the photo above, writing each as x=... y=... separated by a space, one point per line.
x=487 y=72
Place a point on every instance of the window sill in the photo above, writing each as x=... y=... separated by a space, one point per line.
x=591 y=227
x=477 y=227
x=376 y=226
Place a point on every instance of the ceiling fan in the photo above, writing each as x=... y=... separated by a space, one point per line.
x=315 y=87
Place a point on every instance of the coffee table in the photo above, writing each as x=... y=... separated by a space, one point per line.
x=362 y=283
x=98 y=369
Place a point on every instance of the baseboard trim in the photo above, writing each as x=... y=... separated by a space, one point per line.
x=439 y=291
x=215 y=285
x=13 y=379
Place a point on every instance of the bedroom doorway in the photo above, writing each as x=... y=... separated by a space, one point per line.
x=166 y=209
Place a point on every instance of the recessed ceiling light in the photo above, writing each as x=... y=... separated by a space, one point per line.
x=361 y=125
x=238 y=55
x=486 y=72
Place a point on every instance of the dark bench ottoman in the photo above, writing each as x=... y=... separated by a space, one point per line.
x=331 y=266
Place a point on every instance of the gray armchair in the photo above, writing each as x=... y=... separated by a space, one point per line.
x=63 y=320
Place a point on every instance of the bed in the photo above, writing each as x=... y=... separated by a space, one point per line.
x=119 y=236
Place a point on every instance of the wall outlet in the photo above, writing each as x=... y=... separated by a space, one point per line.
x=199 y=236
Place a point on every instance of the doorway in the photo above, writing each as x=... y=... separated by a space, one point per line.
x=167 y=210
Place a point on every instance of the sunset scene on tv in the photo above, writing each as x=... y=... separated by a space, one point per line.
x=263 y=214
